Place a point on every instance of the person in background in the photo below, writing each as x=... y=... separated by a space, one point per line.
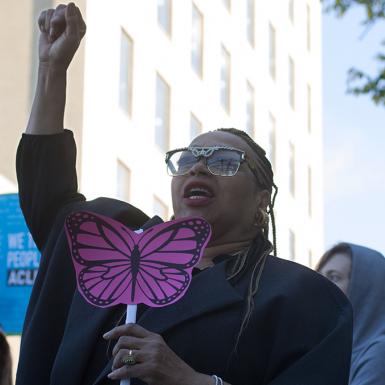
x=360 y=273
x=5 y=361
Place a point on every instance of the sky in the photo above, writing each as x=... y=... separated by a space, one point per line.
x=354 y=136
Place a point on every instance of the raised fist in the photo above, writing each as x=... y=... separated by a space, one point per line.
x=62 y=29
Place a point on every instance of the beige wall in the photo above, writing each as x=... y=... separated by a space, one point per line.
x=15 y=40
x=14 y=343
x=19 y=39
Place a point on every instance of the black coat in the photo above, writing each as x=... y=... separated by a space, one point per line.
x=299 y=332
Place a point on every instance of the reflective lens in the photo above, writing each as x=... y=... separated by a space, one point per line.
x=219 y=161
x=181 y=162
x=224 y=162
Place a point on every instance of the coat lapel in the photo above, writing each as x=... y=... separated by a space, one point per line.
x=209 y=291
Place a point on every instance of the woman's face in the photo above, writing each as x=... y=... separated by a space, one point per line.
x=228 y=203
x=338 y=269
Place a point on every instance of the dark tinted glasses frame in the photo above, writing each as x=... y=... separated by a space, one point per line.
x=206 y=152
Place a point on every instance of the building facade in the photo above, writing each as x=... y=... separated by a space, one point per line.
x=158 y=73
x=150 y=75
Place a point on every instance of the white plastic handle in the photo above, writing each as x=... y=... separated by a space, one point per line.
x=130 y=318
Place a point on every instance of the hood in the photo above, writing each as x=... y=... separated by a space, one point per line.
x=366 y=292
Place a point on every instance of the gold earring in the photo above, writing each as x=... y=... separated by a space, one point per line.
x=262 y=218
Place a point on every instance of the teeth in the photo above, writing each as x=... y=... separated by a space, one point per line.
x=195 y=197
x=198 y=192
x=198 y=189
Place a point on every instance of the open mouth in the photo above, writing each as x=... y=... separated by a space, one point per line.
x=194 y=192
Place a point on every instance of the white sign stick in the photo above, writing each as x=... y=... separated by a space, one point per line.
x=130 y=318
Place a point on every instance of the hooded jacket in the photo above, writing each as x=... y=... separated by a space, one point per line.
x=366 y=292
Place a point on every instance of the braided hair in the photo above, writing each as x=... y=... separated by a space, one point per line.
x=264 y=175
x=255 y=256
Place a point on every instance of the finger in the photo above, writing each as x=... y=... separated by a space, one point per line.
x=60 y=11
x=41 y=21
x=47 y=20
x=122 y=371
x=127 y=342
x=118 y=361
x=72 y=16
x=58 y=22
x=127 y=330
x=82 y=27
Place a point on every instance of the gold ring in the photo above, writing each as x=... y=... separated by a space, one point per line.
x=129 y=359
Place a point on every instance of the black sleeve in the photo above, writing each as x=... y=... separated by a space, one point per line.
x=46 y=174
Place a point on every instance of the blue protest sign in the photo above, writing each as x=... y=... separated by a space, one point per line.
x=19 y=261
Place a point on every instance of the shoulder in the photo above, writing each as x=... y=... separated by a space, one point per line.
x=375 y=350
x=297 y=283
x=368 y=367
x=122 y=211
x=308 y=319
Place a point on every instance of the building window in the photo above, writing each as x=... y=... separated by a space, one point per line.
x=123 y=182
x=227 y=4
x=292 y=169
x=292 y=245
x=160 y=208
x=310 y=191
x=195 y=126
x=272 y=151
x=309 y=109
x=308 y=27
x=291 y=83
x=272 y=51
x=197 y=41
x=250 y=22
x=164 y=15
x=250 y=109
x=162 y=113
x=125 y=78
x=225 y=79
x=291 y=10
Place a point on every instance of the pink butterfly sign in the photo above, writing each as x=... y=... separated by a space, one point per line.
x=115 y=265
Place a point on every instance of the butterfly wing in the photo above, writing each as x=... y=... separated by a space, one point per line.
x=168 y=252
x=101 y=250
x=115 y=265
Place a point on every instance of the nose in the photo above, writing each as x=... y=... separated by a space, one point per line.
x=199 y=168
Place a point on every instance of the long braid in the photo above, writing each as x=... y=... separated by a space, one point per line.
x=264 y=175
x=265 y=178
x=272 y=216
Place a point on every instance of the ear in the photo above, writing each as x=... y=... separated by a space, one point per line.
x=263 y=199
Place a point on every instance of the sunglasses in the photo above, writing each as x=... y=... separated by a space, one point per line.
x=219 y=160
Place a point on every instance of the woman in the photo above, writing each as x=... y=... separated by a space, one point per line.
x=360 y=273
x=247 y=317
